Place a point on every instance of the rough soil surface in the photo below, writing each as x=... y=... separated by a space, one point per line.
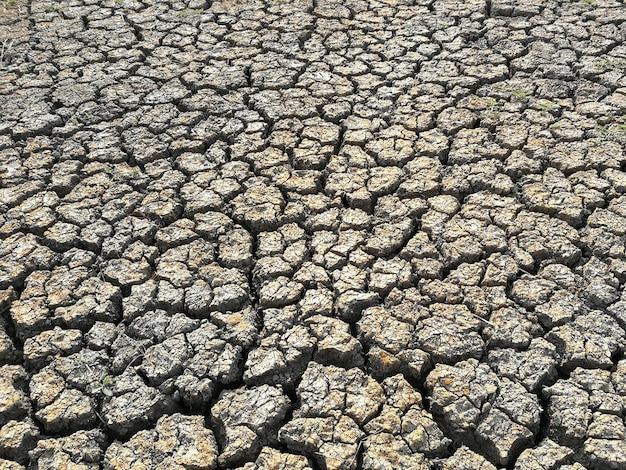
x=312 y=234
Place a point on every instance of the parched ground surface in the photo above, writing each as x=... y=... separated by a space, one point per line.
x=312 y=235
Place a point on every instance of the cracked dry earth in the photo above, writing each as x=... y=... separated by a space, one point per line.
x=313 y=235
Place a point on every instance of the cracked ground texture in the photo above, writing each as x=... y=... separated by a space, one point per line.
x=312 y=234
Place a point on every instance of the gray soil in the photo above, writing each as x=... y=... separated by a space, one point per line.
x=312 y=235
